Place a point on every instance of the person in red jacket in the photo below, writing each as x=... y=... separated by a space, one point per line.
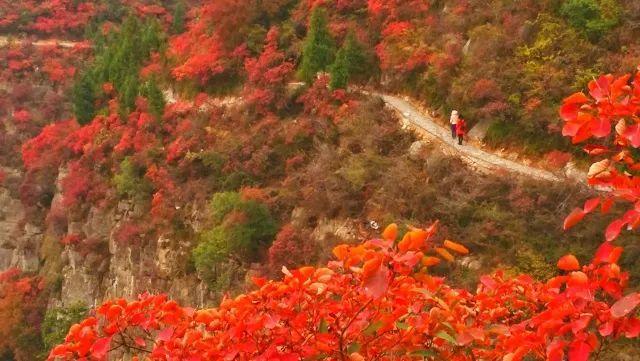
x=461 y=129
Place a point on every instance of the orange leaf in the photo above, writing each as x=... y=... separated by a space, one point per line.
x=445 y=254
x=430 y=261
x=371 y=266
x=573 y=218
x=456 y=247
x=341 y=251
x=405 y=243
x=391 y=232
x=569 y=263
x=417 y=238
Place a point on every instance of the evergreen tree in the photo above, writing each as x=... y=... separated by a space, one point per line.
x=128 y=93
x=318 y=49
x=177 y=26
x=350 y=62
x=84 y=99
x=340 y=71
x=155 y=97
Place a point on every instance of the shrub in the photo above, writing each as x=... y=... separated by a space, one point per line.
x=240 y=228
x=291 y=248
x=57 y=321
x=592 y=17
x=130 y=181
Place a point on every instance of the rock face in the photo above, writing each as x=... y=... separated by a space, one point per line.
x=109 y=268
x=19 y=240
x=127 y=270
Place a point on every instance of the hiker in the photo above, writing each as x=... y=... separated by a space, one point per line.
x=461 y=129
x=454 y=121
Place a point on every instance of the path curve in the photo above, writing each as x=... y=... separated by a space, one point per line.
x=468 y=152
x=474 y=156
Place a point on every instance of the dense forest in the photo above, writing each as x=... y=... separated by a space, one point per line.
x=206 y=180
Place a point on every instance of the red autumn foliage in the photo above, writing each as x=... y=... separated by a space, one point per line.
x=607 y=119
x=291 y=248
x=267 y=76
x=379 y=296
x=321 y=101
x=21 y=305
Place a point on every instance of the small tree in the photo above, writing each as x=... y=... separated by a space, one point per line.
x=350 y=62
x=155 y=97
x=84 y=98
x=240 y=228
x=340 y=71
x=177 y=26
x=318 y=49
x=592 y=17
x=57 y=322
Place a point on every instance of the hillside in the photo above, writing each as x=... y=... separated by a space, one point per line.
x=197 y=148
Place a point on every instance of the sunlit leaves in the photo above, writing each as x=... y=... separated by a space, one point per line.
x=573 y=218
x=568 y=263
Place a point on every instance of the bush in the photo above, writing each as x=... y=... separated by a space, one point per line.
x=57 y=322
x=240 y=229
x=594 y=18
x=129 y=181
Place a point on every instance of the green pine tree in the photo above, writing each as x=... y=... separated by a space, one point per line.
x=84 y=98
x=177 y=26
x=318 y=49
x=155 y=97
x=340 y=71
x=129 y=93
x=351 y=62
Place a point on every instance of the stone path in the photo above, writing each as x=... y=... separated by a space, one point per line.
x=476 y=157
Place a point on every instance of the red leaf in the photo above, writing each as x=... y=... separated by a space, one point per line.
x=632 y=134
x=591 y=204
x=569 y=263
x=626 y=304
x=606 y=328
x=570 y=129
x=569 y=112
x=376 y=285
x=101 y=347
x=579 y=351
x=584 y=133
x=633 y=328
x=573 y=218
x=606 y=205
x=555 y=350
x=595 y=149
x=140 y=342
x=603 y=253
x=613 y=230
x=165 y=335
x=600 y=127
x=576 y=98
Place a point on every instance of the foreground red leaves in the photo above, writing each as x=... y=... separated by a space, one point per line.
x=376 y=302
x=608 y=118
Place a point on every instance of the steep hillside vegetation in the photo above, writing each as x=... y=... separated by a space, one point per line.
x=186 y=147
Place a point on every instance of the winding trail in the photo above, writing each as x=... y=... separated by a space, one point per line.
x=421 y=122
x=474 y=156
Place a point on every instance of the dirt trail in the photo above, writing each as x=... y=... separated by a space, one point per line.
x=468 y=152
x=5 y=40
